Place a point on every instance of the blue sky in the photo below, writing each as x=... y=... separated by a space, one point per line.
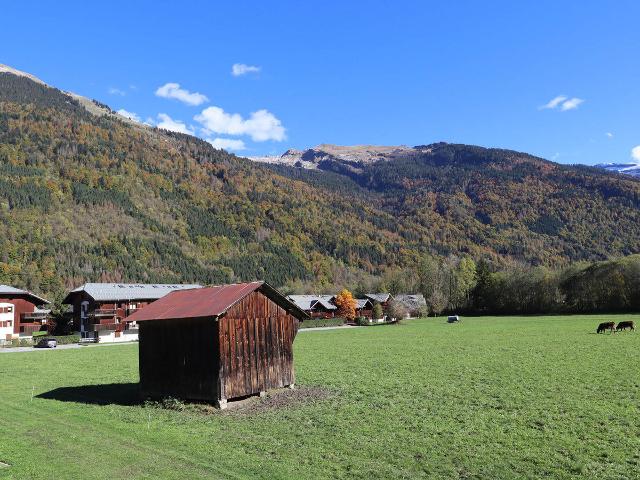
x=351 y=72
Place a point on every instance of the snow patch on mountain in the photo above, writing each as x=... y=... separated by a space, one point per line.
x=632 y=169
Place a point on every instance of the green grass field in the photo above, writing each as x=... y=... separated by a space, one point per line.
x=492 y=398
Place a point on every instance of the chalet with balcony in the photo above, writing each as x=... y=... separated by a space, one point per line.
x=316 y=306
x=21 y=313
x=364 y=307
x=382 y=298
x=100 y=310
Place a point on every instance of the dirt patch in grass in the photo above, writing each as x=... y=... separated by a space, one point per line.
x=274 y=400
x=4 y=465
x=279 y=399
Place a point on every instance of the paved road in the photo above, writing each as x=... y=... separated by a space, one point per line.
x=61 y=347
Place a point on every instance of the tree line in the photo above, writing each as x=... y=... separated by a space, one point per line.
x=461 y=285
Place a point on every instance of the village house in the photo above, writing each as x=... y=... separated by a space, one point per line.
x=382 y=298
x=316 y=306
x=217 y=343
x=21 y=313
x=415 y=304
x=364 y=307
x=99 y=310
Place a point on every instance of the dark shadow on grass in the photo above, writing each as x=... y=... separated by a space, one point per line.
x=126 y=394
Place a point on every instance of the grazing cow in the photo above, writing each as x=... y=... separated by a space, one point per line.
x=606 y=326
x=624 y=325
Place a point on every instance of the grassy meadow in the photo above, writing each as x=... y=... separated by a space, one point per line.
x=493 y=397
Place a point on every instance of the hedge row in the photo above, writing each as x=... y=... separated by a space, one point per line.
x=322 y=322
x=27 y=342
x=65 y=339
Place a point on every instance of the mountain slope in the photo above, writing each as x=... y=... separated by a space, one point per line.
x=86 y=195
x=492 y=201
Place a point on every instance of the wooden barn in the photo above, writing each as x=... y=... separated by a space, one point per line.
x=217 y=343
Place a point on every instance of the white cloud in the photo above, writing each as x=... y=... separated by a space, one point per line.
x=130 y=115
x=261 y=126
x=609 y=135
x=168 y=123
x=571 y=104
x=563 y=102
x=239 y=69
x=554 y=102
x=228 y=143
x=116 y=91
x=173 y=90
x=635 y=153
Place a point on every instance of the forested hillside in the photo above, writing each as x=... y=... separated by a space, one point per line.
x=493 y=203
x=86 y=196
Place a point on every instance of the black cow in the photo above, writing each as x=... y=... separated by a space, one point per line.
x=606 y=326
x=626 y=324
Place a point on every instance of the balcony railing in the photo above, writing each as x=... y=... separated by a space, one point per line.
x=30 y=328
x=104 y=312
x=33 y=317
x=103 y=327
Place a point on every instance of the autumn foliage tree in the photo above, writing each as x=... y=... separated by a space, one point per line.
x=346 y=304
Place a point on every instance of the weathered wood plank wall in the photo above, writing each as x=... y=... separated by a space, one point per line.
x=256 y=347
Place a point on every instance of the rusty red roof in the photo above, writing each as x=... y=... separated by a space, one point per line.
x=209 y=302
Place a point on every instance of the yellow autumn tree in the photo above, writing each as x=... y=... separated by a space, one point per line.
x=346 y=304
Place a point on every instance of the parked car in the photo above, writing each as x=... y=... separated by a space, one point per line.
x=47 y=343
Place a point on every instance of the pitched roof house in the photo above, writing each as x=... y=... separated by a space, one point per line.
x=217 y=343
x=364 y=307
x=381 y=298
x=21 y=313
x=414 y=303
x=316 y=306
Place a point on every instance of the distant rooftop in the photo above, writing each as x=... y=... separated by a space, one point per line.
x=307 y=302
x=362 y=302
x=9 y=290
x=411 y=301
x=102 y=292
x=378 y=297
